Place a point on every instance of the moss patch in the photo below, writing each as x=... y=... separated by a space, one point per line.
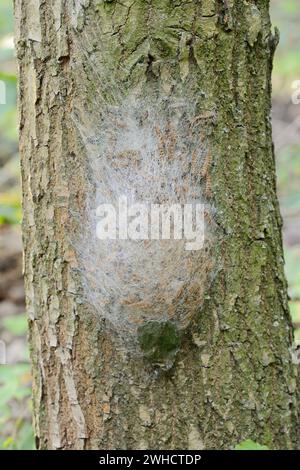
x=159 y=341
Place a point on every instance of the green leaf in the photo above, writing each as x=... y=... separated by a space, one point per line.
x=16 y=324
x=25 y=439
x=250 y=445
x=8 y=444
x=8 y=77
x=15 y=383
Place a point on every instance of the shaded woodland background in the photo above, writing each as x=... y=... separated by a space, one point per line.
x=15 y=382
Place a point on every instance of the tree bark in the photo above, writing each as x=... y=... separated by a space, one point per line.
x=83 y=64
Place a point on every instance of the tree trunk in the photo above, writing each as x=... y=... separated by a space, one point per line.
x=165 y=348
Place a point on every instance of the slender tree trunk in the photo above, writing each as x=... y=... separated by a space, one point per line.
x=108 y=89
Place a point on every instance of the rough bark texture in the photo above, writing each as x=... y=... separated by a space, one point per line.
x=235 y=375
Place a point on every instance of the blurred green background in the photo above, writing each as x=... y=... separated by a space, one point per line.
x=15 y=382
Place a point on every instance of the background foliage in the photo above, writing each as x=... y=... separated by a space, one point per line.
x=15 y=381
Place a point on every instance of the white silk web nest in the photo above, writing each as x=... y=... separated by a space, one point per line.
x=150 y=155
